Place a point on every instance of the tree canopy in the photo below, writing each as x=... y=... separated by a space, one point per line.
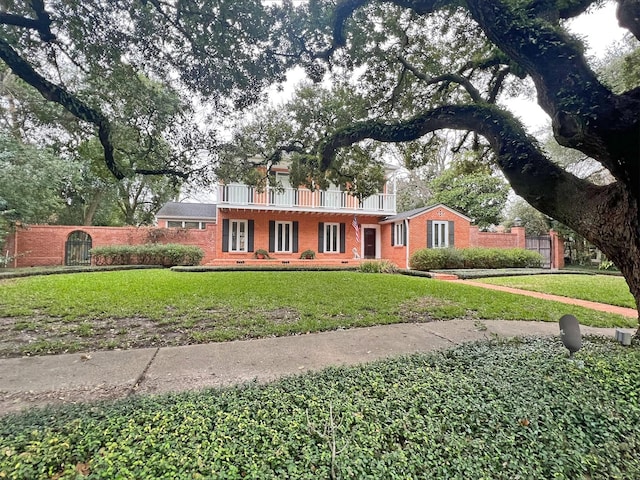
x=492 y=47
x=89 y=57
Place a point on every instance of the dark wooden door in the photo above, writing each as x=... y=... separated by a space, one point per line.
x=369 y=243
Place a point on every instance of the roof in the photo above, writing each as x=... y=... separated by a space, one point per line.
x=188 y=211
x=408 y=215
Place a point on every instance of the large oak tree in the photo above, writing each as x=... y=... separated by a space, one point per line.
x=495 y=41
x=85 y=56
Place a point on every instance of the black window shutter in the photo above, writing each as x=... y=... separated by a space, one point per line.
x=451 y=231
x=429 y=234
x=320 y=237
x=405 y=233
x=295 y=237
x=250 y=236
x=343 y=240
x=272 y=235
x=225 y=235
x=393 y=234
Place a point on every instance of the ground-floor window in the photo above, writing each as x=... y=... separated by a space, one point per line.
x=332 y=237
x=284 y=237
x=440 y=234
x=399 y=235
x=186 y=224
x=238 y=235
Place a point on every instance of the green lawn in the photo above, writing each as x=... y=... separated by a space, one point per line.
x=608 y=289
x=505 y=410
x=137 y=308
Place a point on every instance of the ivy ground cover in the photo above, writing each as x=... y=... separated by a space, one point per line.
x=491 y=410
x=141 y=308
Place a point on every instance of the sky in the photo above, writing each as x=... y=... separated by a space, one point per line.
x=601 y=31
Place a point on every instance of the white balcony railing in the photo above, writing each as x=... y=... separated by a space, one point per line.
x=302 y=199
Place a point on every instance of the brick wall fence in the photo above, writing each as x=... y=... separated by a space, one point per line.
x=515 y=239
x=44 y=245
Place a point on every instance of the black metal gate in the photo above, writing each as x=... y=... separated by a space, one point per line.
x=77 y=249
x=542 y=245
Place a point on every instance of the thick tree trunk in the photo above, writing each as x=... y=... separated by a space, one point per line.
x=618 y=237
x=90 y=211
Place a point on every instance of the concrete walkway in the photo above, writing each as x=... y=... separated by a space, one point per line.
x=601 y=307
x=70 y=378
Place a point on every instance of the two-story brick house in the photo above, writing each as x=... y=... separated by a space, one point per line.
x=285 y=221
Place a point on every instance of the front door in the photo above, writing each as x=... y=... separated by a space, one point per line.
x=369 y=243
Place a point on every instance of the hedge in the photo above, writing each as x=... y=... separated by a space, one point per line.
x=168 y=255
x=451 y=258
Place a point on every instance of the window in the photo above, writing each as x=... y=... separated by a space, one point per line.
x=332 y=237
x=399 y=237
x=440 y=234
x=238 y=235
x=283 y=237
x=187 y=224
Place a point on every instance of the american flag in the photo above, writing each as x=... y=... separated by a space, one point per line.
x=356 y=227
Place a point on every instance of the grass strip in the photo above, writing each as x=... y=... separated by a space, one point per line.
x=142 y=308
x=607 y=289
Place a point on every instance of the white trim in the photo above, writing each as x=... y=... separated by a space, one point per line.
x=375 y=227
x=201 y=225
x=434 y=228
x=406 y=247
x=399 y=240
x=335 y=239
x=276 y=239
x=394 y=218
x=231 y=235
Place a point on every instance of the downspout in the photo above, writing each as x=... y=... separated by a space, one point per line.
x=406 y=230
x=15 y=246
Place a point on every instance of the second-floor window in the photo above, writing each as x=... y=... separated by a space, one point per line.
x=238 y=235
x=284 y=237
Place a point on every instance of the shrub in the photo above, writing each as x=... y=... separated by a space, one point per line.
x=378 y=266
x=149 y=254
x=261 y=253
x=308 y=255
x=447 y=258
x=436 y=259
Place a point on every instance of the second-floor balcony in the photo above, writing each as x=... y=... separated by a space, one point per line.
x=302 y=199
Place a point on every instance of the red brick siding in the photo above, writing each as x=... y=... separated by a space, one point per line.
x=307 y=232
x=557 y=250
x=43 y=245
x=515 y=239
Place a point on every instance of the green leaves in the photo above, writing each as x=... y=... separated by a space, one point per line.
x=168 y=255
x=479 y=195
x=489 y=410
x=476 y=257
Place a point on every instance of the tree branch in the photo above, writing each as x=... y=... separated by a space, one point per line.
x=44 y=21
x=531 y=174
x=497 y=82
x=59 y=95
x=448 y=78
x=42 y=24
x=628 y=14
x=18 y=21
